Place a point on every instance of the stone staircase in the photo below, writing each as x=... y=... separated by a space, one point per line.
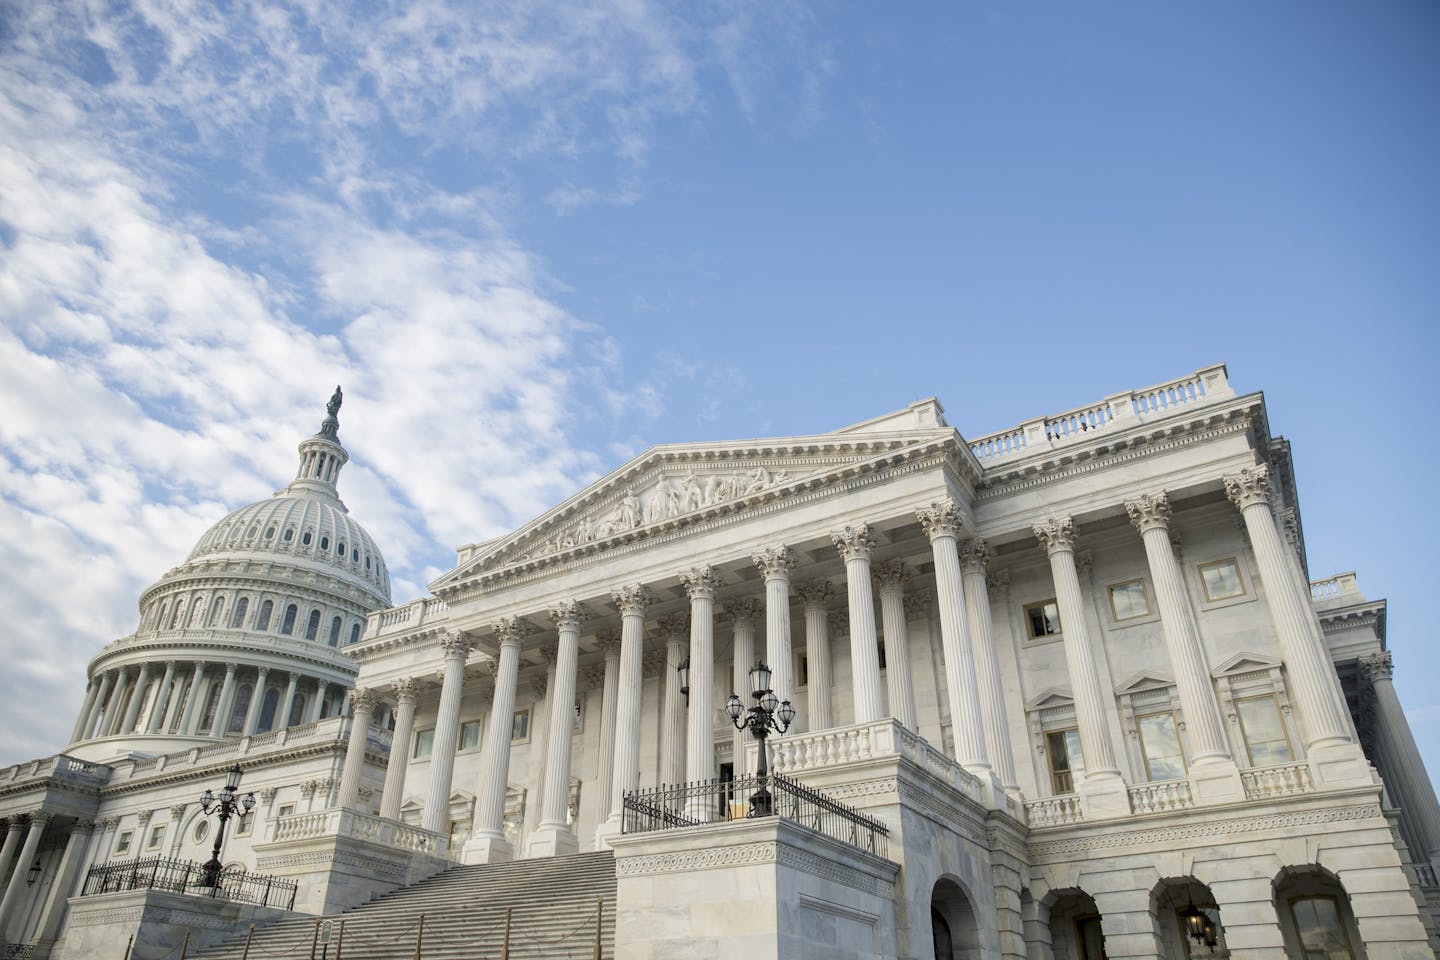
x=552 y=903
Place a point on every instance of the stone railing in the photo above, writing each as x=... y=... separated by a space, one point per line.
x=1121 y=409
x=1282 y=780
x=351 y=824
x=1339 y=587
x=1053 y=811
x=1424 y=874
x=1161 y=796
x=414 y=614
x=57 y=767
x=798 y=753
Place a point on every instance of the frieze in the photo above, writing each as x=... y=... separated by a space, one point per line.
x=835 y=872
x=684 y=861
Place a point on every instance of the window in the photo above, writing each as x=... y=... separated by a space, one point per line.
x=270 y=532
x=289 y=534
x=216 y=609
x=355 y=633
x=201 y=831
x=157 y=834
x=1221 y=580
x=1164 y=759
x=175 y=617
x=286 y=809
x=268 y=706
x=802 y=670
x=1063 y=749
x=520 y=727
x=306 y=538
x=469 y=735
x=1044 y=619
x=1318 y=927
x=335 y=632
x=241 y=607
x=287 y=626
x=340 y=549
x=1128 y=600
x=262 y=622
x=424 y=743
x=122 y=842
x=244 y=827
x=297 y=710
x=239 y=710
x=1265 y=738
x=324 y=543
x=312 y=626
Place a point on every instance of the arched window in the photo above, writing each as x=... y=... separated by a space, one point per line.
x=179 y=611
x=262 y=622
x=355 y=633
x=289 y=534
x=240 y=708
x=238 y=618
x=312 y=626
x=270 y=532
x=297 y=710
x=212 y=702
x=305 y=540
x=287 y=626
x=335 y=632
x=324 y=543
x=216 y=608
x=267 y=710
x=340 y=549
x=197 y=610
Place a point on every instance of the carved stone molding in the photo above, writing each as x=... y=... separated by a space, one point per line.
x=674 y=626
x=1378 y=667
x=839 y=622
x=917 y=605
x=608 y=641
x=510 y=631
x=1056 y=534
x=177 y=810
x=267 y=795
x=1149 y=511
x=854 y=542
x=457 y=645
x=143 y=817
x=788 y=856
x=630 y=600
x=1249 y=487
x=998 y=583
x=890 y=575
x=744 y=610
x=705 y=859
x=974 y=556
x=775 y=562
x=816 y=592
x=88 y=826
x=567 y=613
x=701 y=582
x=941 y=519
x=407 y=689
x=363 y=699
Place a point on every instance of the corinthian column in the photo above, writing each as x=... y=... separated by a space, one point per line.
x=16 y=887
x=974 y=557
x=630 y=601
x=742 y=615
x=162 y=699
x=393 y=793
x=674 y=629
x=456 y=646
x=855 y=544
x=137 y=697
x=816 y=594
x=890 y=577
x=1212 y=770
x=775 y=564
x=1102 y=793
x=91 y=689
x=190 y=719
x=362 y=708
x=1406 y=776
x=257 y=703
x=941 y=522
x=221 y=725
x=487 y=841
x=700 y=584
x=1313 y=685
x=554 y=837
x=97 y=707
x=610 y=689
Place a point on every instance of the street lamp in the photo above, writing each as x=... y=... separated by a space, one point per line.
x=225 y=806
x=33 y=873
x=770 y=713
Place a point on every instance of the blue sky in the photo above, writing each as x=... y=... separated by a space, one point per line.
x=532 y=239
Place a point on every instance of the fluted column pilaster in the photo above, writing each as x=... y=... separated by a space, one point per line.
x=817 y=595
x=890 y=578
x=110 y=723
x=1407 y=777
x=137 y=700
x=392 y=795
x=97 y=706
x=674 y=628
x=66 y=872
x=974 y=558
x=554 y=837
x=855 y=544
x=775 y=564
x=609 y=691
x=362 y=708
x=162 y=699
x=16 y=887
x=631 y=602
x=14 y=830
x=92 y=689
x=487 y=841
x=742 y=614
x=700 y=583
x=191 y=718
x=227 y=702
x=456 y=648
x=257 y=702
x=941 y=522
x=287 y=702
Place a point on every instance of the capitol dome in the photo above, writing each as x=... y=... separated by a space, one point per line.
x=248 y=634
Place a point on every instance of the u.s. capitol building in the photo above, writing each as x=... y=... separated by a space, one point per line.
x=1067 y=690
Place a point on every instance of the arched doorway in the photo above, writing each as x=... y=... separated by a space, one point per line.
x=1315 y=917
x=1075 y=930
x=1187 y=920
x=952 y=922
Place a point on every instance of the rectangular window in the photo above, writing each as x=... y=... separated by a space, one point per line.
x=1044 y=619
x=243 y=828
x=122 y=842
x=469 y=735
x=520 y=726
x=1265 y=738
x=1221 y=580
x=802 y=670
x=286 y=810
x=424 y=742
x=1159 y=741
x=1128 y=600
x=157 y=834
x=1063 y=747
x=1318 y=927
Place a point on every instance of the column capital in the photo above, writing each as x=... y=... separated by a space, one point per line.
x=1378 y=667
x=974 y=555
x=890 y=575
x=230 y=669
x=457 y=645
x=854 y=542
x=1056 y=534
x=700 y=582
x=1249 y=487
x=177 y=810
x=41 y=817
x=267 y=795
x=816 y=593
x=567 y=614
x=88 y=826
x=941 y=519
x=510 y=631
x=998 y=583
x=775 y=562
x=107 y=823
x=744 y=610
x=630 y=600
x=675 y=627
x=407 y=690
x=1149 y=511
x=838 y=621
x=363 y=699
x=917 y=604
x=608 y=641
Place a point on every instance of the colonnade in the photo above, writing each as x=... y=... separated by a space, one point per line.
x=115 y=699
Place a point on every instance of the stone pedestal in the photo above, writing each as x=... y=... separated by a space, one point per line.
x=1103 y=796
x=1216 y=780
x=549 y=841
x=487 y=849
x=159 y=921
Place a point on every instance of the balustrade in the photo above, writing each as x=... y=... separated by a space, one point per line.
x=1284 y=780
x=1054 y=811
x=1161 y=797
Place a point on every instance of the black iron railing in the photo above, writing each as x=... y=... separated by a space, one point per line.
x=19 y=951
x=184 y=876
x=716 y=801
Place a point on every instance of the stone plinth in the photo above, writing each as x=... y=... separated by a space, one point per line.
x=158 y=920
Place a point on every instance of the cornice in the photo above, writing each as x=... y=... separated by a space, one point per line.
x=247 y=574
x=240 y=647
x=185 y=773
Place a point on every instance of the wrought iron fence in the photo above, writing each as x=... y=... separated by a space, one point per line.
x=19 y=951
x=185 y=876
x=717 y=801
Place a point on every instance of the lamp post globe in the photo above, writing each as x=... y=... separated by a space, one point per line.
x=225 y=806
x=770 y=714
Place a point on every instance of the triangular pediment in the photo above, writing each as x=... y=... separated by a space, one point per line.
x=675 y=485
x=1245 y=663
x=1050 y=698
x=1145 y=680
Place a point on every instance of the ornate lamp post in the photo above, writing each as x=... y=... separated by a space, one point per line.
x=225 y=806
x=770 y=713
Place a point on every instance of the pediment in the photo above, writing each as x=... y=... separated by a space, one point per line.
x=1049 y=698
x=1245 y=663
x=675 y=485
x=1145 y=680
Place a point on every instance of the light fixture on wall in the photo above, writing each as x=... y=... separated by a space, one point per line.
x=33 y=873
x=1194 y=920
x=684 y=671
